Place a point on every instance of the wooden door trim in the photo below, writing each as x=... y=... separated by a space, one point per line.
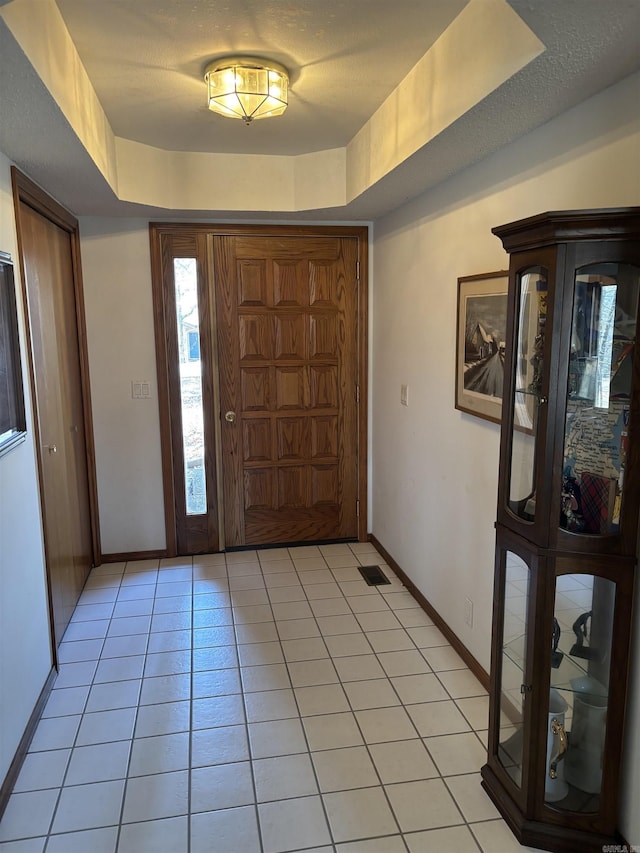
x=361 y=233
x=25 y=191
x=162 y=369
x=162 y=253
x=363 y=381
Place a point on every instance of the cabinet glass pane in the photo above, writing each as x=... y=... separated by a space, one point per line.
x=531 y=316
x=603 y=333
x=514 y=639
x=188 y=325
x=579 y=690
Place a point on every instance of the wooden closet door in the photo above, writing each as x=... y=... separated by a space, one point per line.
x=48 y=268
x=288 y=364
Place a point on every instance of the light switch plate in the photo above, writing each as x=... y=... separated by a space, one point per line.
x=140 y=389
x=404 y=395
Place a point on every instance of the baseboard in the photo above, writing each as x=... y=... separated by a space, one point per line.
x=476 y=668
x=25 y=742
x=129 y=556
x=300 y=543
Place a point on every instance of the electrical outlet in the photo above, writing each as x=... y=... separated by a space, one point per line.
x=468 y=612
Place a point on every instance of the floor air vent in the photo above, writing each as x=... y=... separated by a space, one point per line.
x=373 y=575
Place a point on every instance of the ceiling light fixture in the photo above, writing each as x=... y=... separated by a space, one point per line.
x=246 y=87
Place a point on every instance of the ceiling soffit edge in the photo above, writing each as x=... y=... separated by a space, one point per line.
x=429 y=99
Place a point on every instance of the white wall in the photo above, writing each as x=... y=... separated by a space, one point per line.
x=435 y=468
x=119 y=313
x=25 y=649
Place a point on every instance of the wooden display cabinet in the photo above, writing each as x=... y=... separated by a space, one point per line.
x=567 y=527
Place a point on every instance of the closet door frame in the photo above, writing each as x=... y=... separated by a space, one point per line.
x=26 y=192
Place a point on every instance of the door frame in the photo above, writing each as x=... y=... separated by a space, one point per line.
x=183 y=531
x=156 y=232
x=26 y=192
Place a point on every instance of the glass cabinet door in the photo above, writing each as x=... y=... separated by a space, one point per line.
x=603 y=334
x=579 y=691
x=514 y=643
x=530 y=322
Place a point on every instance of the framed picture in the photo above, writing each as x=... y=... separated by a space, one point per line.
x=12 y=416
x=481 y=332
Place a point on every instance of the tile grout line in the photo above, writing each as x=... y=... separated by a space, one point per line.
x=256 y=810
x=82 y=717
x=362 y=735
x=332 y=840
x=366 y=746
x=190 y=749
x=402 y=705
x=419 y=736
x=135 y=716
x=383 y=787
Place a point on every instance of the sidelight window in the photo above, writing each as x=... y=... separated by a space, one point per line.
x=190 y=365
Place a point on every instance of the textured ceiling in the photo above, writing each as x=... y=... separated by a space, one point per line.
x=145 y=61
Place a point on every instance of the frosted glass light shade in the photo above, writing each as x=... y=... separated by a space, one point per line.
x=247 y=87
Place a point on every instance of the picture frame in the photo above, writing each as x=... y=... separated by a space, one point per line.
x=13 y=429
x=480 y=340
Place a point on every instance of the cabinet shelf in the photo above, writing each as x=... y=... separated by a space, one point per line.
x=577 y=398
x=571 y=676
x=528 y=393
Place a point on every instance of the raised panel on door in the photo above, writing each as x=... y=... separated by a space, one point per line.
x=323 y=329
x=255 y=338
x=288 y=283
x=324 y=433
x=252 y=282
x=289 y=336
x=290 y=386
x=256 y=442
x=288 y=350
x=254 y=389
x=292 y=437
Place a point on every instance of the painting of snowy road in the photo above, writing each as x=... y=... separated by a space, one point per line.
x=482 y=321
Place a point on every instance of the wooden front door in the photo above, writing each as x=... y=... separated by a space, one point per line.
x=49 y=277
x=288 y=347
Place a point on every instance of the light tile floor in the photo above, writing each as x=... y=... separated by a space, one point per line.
x=255 y=701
